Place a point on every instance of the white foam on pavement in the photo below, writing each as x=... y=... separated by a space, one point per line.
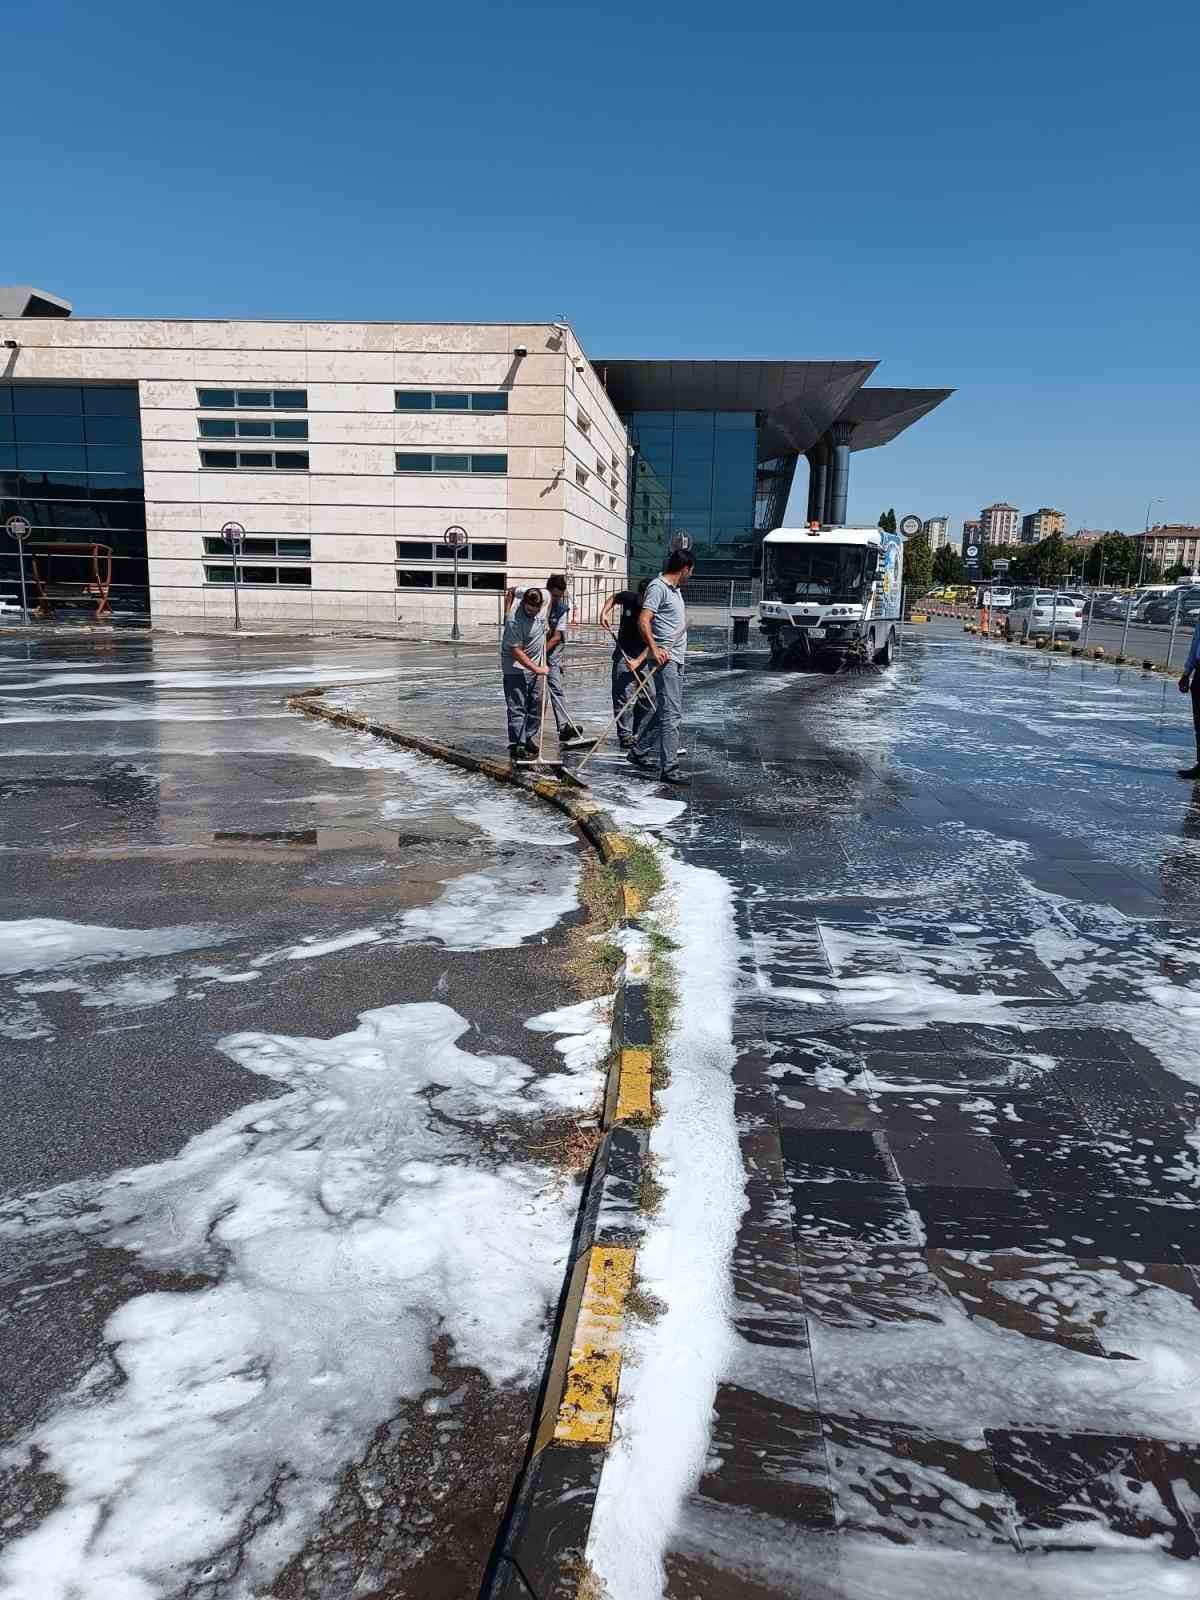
x=34 y=944
x=673 y=1365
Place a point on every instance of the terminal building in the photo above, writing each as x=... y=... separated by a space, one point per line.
x=346 y=451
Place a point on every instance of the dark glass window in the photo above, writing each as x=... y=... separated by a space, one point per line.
x=256 y=574
x=292 y=460
x=255 y=458
x=294 y=547
x=6 y=425
x=407 y=461
x=489 y=552
x=217 y=427
x=218 y=574
x=57 y=398
x=118 y=401
x=297 y=576
x=217 y=398
x=411 y=461
x=451 y=402
x=214 y=545
x=290 y=399
x=489 y=464
x=114 y=430
x=489 y=402
x=254 y=398
x=445 y=580
x=8 y=456
x=444 y=463
x=72 y=457
x=445 y=552
x=488 y=580
x=413 y=550
x=448 y=400
x=254 y=429
x=219 y=458
x=414 y=400
x=406 y=578
x=113 y=458
x=258 y=547
x=291 y=428
x=38 y=429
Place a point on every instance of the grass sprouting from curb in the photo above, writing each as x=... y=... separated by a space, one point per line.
x=645 y=871
x=590 y=1585
x=662 y=999
x=651 y=1190
x=642 y=1305
x=592 y=960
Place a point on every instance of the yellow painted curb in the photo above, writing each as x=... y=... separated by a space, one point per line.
x=616 y=844
x=632 y=900
x=585 y=1413
x=633 y=1089
x=918 y=616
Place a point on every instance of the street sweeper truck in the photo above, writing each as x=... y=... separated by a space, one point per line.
x=831 y=596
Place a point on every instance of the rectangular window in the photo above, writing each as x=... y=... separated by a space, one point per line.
x=422 y=461
x=214 y=545
x=255 y=460
x=296 y=577
x=413 y=550
x=406 y=578
x=489 y=552
x=488 y=580
x=581 y=477
x=449 y=400
x=244 y=428
x=585 y=423
x=252 y=399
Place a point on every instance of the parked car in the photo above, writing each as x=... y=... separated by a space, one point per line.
x=1041 y=611
x=1110 y=607
x=1163 y=610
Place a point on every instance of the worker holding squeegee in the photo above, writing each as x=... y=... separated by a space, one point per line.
x=663 y=625
x=630 y=651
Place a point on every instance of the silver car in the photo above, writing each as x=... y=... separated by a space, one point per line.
x=1037 y=612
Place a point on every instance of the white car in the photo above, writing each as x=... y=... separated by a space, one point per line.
x=1041 y=611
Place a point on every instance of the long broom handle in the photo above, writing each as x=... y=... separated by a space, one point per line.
x=643 y=684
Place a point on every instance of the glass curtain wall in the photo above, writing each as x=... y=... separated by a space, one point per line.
x=695 y=475
x=71 y=462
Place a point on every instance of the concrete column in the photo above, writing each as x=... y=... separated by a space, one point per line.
x=839 y=486
x=818 y=480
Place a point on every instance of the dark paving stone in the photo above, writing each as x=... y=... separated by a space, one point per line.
x=865 y=1286
x=1111 y=1165
x=956 y=1074
x=978 y=1113
x=910 y=1487
x=944 y=1159
x=879 y=1038
x=862 y=1213
x=1086 y=1491
x=827 y=1156
x=818 y=1107
x=1025 y=1294
x=1074 y=1044
x=958 y=1218
x=767 y=1456
x=1124 y=1226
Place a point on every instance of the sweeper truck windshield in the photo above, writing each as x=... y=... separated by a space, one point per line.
x=828 y=573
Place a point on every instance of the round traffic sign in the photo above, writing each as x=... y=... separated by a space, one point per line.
x=455 y=537
x=19 y=527
x=910 y=525
x=972 y=550
x=233 y=533
x=681 y=541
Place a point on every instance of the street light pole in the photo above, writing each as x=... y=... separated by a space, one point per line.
x=456 y=538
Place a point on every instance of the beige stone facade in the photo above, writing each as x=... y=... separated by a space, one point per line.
x=545 y=490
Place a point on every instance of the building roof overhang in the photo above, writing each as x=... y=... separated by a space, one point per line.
x=799 y=400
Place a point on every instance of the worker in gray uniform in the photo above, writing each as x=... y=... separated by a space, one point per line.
x=522 y=665
x=663 y=625
x=557 y=617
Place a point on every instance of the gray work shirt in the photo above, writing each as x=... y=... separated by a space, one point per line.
x=529 y=633
x=668 y=626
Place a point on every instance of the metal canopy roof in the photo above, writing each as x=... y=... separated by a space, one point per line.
x=800 y=399
x=23 y=300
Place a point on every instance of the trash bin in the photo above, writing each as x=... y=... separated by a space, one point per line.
x=741 y=630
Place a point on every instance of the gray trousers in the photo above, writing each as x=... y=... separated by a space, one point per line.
x=557 y=690
x=523 y=703
x=659 y=733
x=629 y=707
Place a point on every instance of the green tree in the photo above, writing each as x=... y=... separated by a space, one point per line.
x=887 y=520
x=947 y=565
x=918 y=565
x=1113 y=559
x=1179 y=570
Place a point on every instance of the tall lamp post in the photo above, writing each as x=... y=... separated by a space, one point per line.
x=456 y=538
x=19 y=529
x=1157 y=501
x=234 y=536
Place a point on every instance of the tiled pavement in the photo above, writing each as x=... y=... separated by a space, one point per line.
x=965 y=1282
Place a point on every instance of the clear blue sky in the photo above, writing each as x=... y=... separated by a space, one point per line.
x=1001 y=198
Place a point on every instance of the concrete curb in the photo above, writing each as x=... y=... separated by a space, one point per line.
x=540 y=1549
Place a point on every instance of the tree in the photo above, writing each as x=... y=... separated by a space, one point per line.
x=947 y=565
x=1113 y=559
x=1043 y=563
x=887 y=520
x=918 y=564
x=1179 y=570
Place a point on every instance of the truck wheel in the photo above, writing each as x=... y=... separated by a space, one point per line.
x=885 y=657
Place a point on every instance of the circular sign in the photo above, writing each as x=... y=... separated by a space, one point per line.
x=972 y=550
x=19 y=527
x=455 y=537
x=681 y=541
x=910 y=525
x=233 y=533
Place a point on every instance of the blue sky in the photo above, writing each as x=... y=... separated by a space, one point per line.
x=1002 y=199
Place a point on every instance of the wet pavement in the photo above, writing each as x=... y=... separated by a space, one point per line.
x=281 y=1218
x=967 y=1033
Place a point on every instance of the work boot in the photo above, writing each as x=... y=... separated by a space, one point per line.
x=1190 y=772
x=675 y=775
x=531 y=749
x=521 y=755
x=625 y=741
x=642 y=763
x=573 y=734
